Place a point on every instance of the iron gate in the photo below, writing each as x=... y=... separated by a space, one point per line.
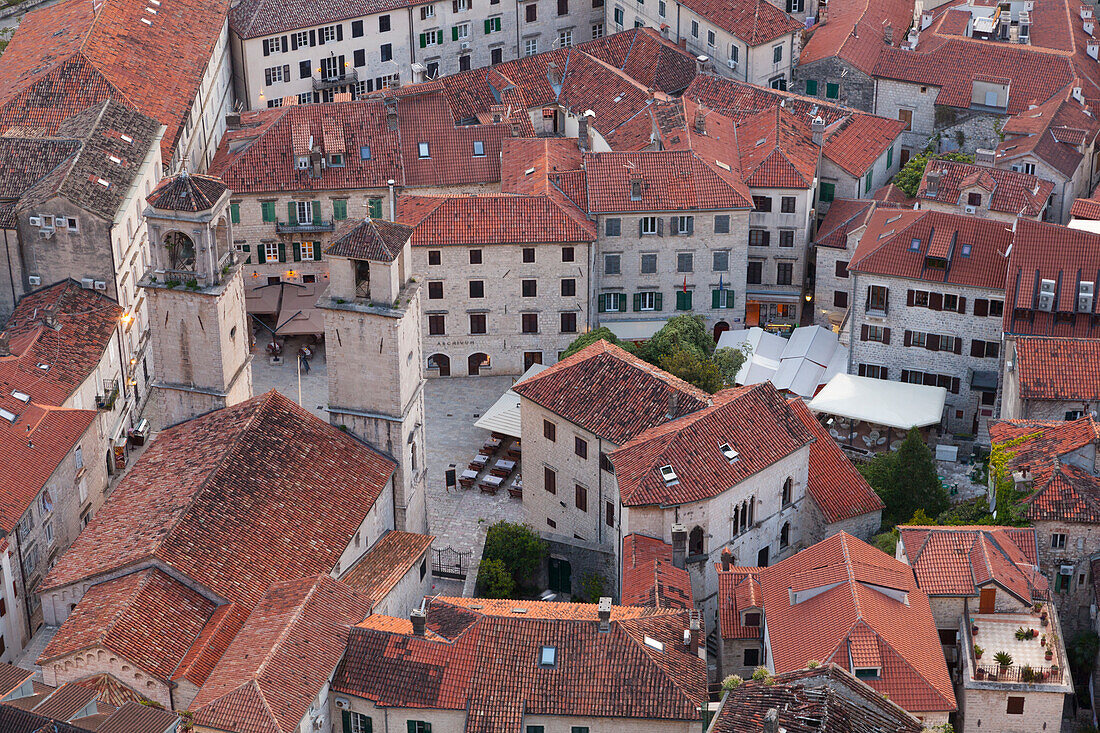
x=450 y=563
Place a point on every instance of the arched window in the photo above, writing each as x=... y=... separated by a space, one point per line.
x=785 y=535
x=695 y=541
x=787 y=485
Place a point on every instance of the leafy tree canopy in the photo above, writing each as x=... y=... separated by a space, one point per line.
x=701 y=372
x=602 y=333
x=906 y=480
x=518 y=547
x=684 y=332
x=909 y=177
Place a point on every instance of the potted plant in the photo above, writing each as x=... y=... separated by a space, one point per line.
x=1022 y=633
x=978 y=652
x=974 y=630
x=1027 y=674
x=1049 y=655
x=1043 y=640
x=1043 y=619
x=1036 y=606
x=979 y=673
x=1034 y=633
x=1003 y=659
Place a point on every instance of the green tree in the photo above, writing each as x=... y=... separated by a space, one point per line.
x=518 y=547
x=909 y=177
x=597 y=334
x=494 y=580
x=701 y=372
x=971 y=511
x=729 y=362
x=906 y=480
x=685 y=332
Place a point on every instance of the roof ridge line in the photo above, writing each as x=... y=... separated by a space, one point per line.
x=294 y=617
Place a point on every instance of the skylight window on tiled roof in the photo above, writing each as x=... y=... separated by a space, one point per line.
x=548 y=656
x=21 y=396
x=892 y=219
x=146 y=21
x=422 y=150
x=529 y=171
x=127 y=139
x=966 y=250
x=43 y=366
x=914 y=245
x=103 y=182
x=479 y=148
x=728 y=451
x=364 y=152
x=7 y=415
x=653 y=644
x=884 y=235
x=668 y=475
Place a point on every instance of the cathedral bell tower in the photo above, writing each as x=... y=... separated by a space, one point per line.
x=199 y=330
x=373 y=353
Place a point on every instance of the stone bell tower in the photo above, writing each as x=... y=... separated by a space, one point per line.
x=199 y=330
x=373 y=354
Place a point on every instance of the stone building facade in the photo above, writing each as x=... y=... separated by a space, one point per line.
x=837 y=81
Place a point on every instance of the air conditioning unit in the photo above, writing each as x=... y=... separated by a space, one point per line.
x=1065 y=570
x=1085 y=296
x=1046 y=302
x=342 y=703
x=87 y=283
x=45 y=233
x=465 y=46
x=1010 y=366
x=36 y=221
x=100 y=285
x=732 y=63
x=970 y=209
x=34 y=280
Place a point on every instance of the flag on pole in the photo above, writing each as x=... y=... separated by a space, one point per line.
x=685 y=283
x=721 y=284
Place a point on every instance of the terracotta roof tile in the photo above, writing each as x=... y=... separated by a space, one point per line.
x=853 y=32
x=187 y=192
x=180 y=502
x=494 y=659
x=866 y=605
x=1010 y=192
x=370 y=239
x=133 y=717
x=753 y=21
x=1058 y=368
x=492 y=219
x=65 y=702
x=738 y=591
x=391 y=557
x=14 y=720
x=754 y=420
x=211 y=643
x=256 y=18
x=612 y=393
x=775 y=151
x=109 y=691
x=671 y=180
x=282 y=657
x=12 y=678
x=648 y=576
x=1050 y=132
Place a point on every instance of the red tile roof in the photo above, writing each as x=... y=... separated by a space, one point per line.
x=845 y=216
x=1050 y=132
x=12 y=678
x=370 y=239
x=146 y=617
x=837 y=488
x=75 y=54
x=958 y=561
x=1051 y=252
x=187 y=192
x=261 y=156
x=672 y=180
x=853 y=32
x=739 y=591
x=776 y=152
x=885 y=247
x=752 y=21
x=1087 y=208
x=487 y=663
x=110 y=691
x=1009 y=192
x=256 y=18
x=387 y=562
x=873 y=611
x=754 y=420
x=1058 y=368
x=65 y=702
x=492 y=219
x=648 y=576
x=853 y=140
x=827 y=699
x=133 y=717
x=211 y=643
x=181 y=503
x=282 y=657
x=611 y=393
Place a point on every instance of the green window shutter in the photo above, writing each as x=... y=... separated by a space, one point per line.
x=235 y=213
x=423 y=43
x=339 y=209
x=811 y=87
x=867 y=181
x=832 y=91
x=658 y=302
x=889 y=157
x=247 y=249
x=267 y=208
x=730 y=299
x=297 y=248
x=828 y=191
x=637 y=301
x=261 y=254
x=316 y=212
x=317 y=251
x=715 y=295
x=282 y=252
x=454 y=33
x=488 y=26
x=291 y=213
x=375 y=208
x=601 y=303
x=345 y=719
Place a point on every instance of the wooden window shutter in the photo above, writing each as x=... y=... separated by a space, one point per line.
x=909 y=297
x=488 y=26
x=935 y=301
x=932 y=342
x=297 y=251
x=261 y=254
x=454 y=30
x=293 y=41
x=981 y=307
x=235 y=213
x=863 y=332
x=905 y=375
x=454 y=6
x=691 y=225
x=283 y=39
x=977 y=348
x=291 y=213
x=340 y=32
x=286 y=72
x=639 y=227
x=316 y=212
x=862 y=370
x=886 y=336
x=954 y=385
x=320 y=37
x=882 y=373
x=266 y=47
x=658 y=301
x=345 y=720
x=673 y=225
x=962 y=304
x=282 y=252
x=714 y=296
x=317 y=251
x=908 y=339
x=958 y=345
x=660 y=227
x=637 y=301
x=602 y=303
x=313 y=38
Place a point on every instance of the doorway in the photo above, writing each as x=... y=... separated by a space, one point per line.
x=561 y=575
x=762 y=558
x=475 y=362
x=752 y=314
x=442 y=362
x=987 y=602
x=720 y=328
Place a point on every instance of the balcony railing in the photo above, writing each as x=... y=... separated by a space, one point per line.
x=1025 y=674
x=106 y=400
x=286 y=227
x=329 y=81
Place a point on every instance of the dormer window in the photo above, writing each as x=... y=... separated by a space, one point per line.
x=364 y=152
x=336 y=160
x=548 y=656
x=867 y=673
x=727 y=451
x=750 y=619
x=635 y=189
x=303 y=162
x=668 y=474
x=974 y=199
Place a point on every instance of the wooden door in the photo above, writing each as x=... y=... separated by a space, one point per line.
x=988 y=600
x=752 y=314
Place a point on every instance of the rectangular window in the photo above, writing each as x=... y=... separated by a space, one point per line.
x=787 y=204
x=492 y=25
x=618 y=17
x=685 y=262
x=683 y=300
x=1058 y=541
x=436 y=324
x=530 y=46
x=608 y=508
x=786 y=237
x=762 y=203
x=530 y=322
x=867 y=181
x=759 y=237
x=721 y=298
x=435 y=290
x=646 y=301
x=711 y=39
x=581 y=497
x=648 y=225
x=811 y=87
x=612 y=227
x=878 y=298
x=417 y=726
x=460 y=31
x=531 y=13
x=528 y=254
x=597 y=31
x=477 y=323
x=755 y=273
x=271 y=251
x=832 y=91
x=300 y=39
x=1015 y=706
x=306 y=250
x=549 y=430
x=550 y=479
x=580 y=446
x=722 y=224
x=720 y=260
x=568 y=287
x=841 y=268
x=840 y=299
x=783 y=273
x=340 y=209
x=694 y=29
x=276 y=74
x=529 y=288
x=683 y=224
x=612 y=303
x=567 y=254
x=422 y=150
x=612 y=264
x=827 y=191
x=649 y=263
x=569 y=322
x=752 y=657
x=383 y=24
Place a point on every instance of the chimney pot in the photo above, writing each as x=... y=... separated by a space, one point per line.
x=933 y=187
x=701 y=119
x=984 y=156
x=679 y=546
x=727 y=558
x=673 y=404
x=817 y=130
x=603 y=611
x=771 y=721
x=5 y=344
x=419 y=618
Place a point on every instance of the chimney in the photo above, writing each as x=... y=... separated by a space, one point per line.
x=233 y=121
x=817 y=131
x=49 y=317
x=679 y=545
x=701 y=63
x=888 y=34
x=419 y=618
x=582 y=130
x=393 y=200
x=701 y=119
x=552 y=74
x=673 y=404
x=984 y=156
x=771 y=721
x=315 y=158
x=932 y=188
x=694 y=631
x=727 y=558
x=515 y=129
x=391 y=114
x=604 y=613
x=5 y=344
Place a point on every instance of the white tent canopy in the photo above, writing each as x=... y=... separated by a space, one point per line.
x=881 y=402
x=799 y=364
x=503 y=416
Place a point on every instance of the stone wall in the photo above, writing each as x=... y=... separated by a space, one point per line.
x=1082 y=542
x=585 y=559
x=857 y=89
x=982 y=711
